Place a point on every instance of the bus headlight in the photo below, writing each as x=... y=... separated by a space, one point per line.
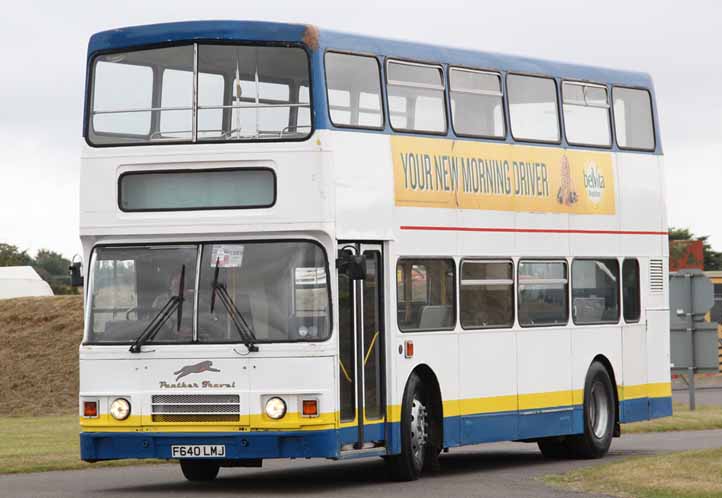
x=120 y=409
x=275 y=408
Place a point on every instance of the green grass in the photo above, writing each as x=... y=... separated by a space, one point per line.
x=703 y=418
x=688 y=474
x=36 y=444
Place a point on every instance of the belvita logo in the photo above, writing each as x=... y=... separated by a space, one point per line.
x=594 y=182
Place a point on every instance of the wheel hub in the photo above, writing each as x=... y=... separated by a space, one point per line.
x=599 y=410
x=419 y=431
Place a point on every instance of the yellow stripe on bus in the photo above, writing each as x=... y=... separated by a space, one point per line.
x=652 y=390
x=330 y=420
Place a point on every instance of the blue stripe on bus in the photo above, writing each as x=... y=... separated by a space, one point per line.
x=458 y=431
x=96 y=446
x=660 y=407
x=253 y=31
x=188 y=31
x=635 y=410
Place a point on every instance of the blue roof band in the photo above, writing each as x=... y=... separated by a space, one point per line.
x=317 y=41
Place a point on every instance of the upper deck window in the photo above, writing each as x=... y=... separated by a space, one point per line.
x=134 y=92
x=262 y=94
x=533 y=108
x=633 y=118
x=416 y=97
x=239 y=93
x=477 y=109
x=354 y=91
x=586 y=114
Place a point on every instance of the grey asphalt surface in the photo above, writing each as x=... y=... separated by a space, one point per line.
x=508 y=470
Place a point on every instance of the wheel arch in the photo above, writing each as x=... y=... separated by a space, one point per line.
x=436 y=406
x=604 y=361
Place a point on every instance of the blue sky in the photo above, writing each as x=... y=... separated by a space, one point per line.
x=44 y=47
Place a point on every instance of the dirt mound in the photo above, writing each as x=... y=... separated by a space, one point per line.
x=39 y=339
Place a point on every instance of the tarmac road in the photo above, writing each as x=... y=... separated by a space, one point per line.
x=509 y=470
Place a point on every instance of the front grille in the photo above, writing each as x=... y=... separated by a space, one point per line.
x=195 y=398
x=195 y=418
x=196 y=408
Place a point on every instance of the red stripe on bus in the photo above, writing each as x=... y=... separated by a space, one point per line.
x=532 y=230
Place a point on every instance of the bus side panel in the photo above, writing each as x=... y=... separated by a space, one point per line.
x=545 y=382
x=659 y=388
x=487 y=386
x=641 y=206
x=431 y=349
x=587 y=343
x=437 y=350
x=364 y=185
x=544 y=353
x=634 y=371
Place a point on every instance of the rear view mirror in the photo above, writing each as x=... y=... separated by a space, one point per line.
x=76 y=274
x=351 y=265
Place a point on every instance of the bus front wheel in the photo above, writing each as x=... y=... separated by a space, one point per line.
x=416 y=449
x=199 y=470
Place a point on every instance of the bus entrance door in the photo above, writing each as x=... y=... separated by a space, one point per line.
x=361 y=353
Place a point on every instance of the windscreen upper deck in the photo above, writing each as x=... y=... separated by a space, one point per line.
x=200 y=92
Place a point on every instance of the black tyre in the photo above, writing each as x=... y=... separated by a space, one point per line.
x=199 y=470
x=599 y=416
x=554 y=447
x=415 y=448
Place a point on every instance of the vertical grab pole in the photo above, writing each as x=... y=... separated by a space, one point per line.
x=194 y=103
x=360 y=374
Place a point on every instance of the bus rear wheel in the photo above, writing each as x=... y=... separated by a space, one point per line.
x=599 y=415
x=416 y=449
x=199 y=470
x=554 y=447
x=599 y=419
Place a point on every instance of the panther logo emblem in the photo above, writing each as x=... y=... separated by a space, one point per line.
x=204 y=366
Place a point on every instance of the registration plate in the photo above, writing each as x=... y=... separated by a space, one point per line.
x=198 y=451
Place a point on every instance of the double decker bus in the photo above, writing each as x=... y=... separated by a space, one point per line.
x=309 y=244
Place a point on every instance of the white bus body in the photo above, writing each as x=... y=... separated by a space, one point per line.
x=341 y=189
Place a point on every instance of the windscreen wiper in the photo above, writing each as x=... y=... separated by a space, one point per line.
x=242 y=327
x=174 y=303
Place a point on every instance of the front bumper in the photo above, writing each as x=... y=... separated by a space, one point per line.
x=95 y=446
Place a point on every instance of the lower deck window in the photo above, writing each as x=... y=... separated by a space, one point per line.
x=486 y=293
x=543 y=287
x=425 y=294
x=595 y=291
x=632 y=303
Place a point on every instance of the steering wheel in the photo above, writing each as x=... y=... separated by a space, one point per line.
x=129 y=311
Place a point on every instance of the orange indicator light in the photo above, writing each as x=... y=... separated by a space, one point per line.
x=310 y=408
x=409 y=349
x=90 y=409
